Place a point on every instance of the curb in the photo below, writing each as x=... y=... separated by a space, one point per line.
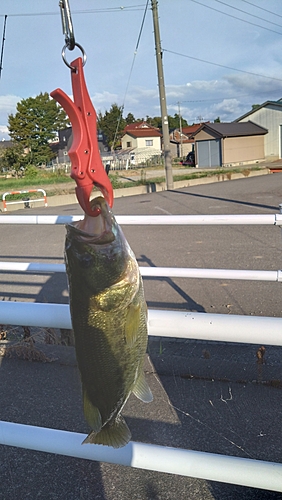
x=69 y=199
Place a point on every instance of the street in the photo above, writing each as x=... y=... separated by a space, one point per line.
x=208 y=396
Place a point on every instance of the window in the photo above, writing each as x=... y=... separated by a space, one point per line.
x=128 y=144
x=149 y=142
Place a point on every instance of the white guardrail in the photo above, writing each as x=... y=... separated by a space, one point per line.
x=26 y=201
x=184 y=324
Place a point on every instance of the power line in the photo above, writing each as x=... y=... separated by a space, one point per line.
x=131 y=69
x=224 y=98
x=222 y=65
x=261 y=8
x=234 y=17
x=245 y=12
x=129 y=8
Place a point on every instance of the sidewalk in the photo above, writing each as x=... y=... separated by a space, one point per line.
x=207 y=396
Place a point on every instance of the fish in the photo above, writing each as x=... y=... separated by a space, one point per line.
x=109 y=320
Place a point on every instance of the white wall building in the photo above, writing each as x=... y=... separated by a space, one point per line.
x=269 y=116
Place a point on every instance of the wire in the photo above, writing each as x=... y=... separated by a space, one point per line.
x=222 y=65
x=129 y=8
x=131 y=69
x=261 y=8
x=245 y=12
x=234 y=17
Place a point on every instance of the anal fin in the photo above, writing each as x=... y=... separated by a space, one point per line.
x=142 y=390
x=114 y=433
x=91 y=413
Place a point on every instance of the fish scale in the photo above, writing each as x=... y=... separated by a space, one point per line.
x=109 y=319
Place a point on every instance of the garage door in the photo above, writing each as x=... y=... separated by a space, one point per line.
x=209 y=153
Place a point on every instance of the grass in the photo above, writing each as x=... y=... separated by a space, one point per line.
x=37 y=181
x=49 y=178
x=185 y=176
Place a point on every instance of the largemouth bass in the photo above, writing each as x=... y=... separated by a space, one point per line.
x=109 y=319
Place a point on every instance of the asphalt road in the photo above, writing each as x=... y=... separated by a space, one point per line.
x=210 y=397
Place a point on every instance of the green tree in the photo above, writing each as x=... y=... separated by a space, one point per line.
x=12 y=159
x=112 y=124
x=34 y=124
x=217 y=120
x=173 y=121
x=155 y=121
x=130 y=119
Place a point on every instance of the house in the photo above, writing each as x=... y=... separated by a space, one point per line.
x=140 y=135
x=226 y=144
x=62 y=144
x=181 y=143
x=268 y=115
x=141 y=141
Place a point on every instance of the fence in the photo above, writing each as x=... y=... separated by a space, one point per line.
x=24 y=200
x=228 y=328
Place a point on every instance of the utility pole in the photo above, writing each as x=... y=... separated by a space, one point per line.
x=2 y=48
x=166 y=141
x=180 y=129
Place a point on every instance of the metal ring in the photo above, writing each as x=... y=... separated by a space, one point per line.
x=84 y=56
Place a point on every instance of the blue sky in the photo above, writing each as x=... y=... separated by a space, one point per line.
x=192 y=32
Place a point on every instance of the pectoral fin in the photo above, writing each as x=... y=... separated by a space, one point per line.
x=132 y=323
x=114 y=433
x=142 y=390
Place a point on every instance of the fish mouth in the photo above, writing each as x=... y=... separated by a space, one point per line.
x=96 y=230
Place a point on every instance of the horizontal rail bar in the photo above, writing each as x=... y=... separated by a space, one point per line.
x=5 y=203
x=175 y=324
x=32 y=267
x=249 y=219
x=209 y=466
x=33 y=200
x=164 y=272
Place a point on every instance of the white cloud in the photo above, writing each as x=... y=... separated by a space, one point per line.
x=102 y=101
x=4 y=134
x=8 y=103
x=252 y=83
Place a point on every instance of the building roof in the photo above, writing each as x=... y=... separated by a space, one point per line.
x=142 y=129
x=191 y=129
x=144 y=133
x=6 y=144
x=264 y=105
x=233 y=129
x=139 y=125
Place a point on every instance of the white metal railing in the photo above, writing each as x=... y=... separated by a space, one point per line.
x=161 y=272
x=210 y=466
x=175 y=220
x=176 y=324
x=184 y=324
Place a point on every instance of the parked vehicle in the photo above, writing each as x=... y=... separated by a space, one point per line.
x=190 y=160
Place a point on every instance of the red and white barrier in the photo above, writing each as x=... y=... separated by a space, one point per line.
x=35 y=200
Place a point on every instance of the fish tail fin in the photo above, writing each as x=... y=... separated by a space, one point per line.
x=142 y=390
x=115 y=433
